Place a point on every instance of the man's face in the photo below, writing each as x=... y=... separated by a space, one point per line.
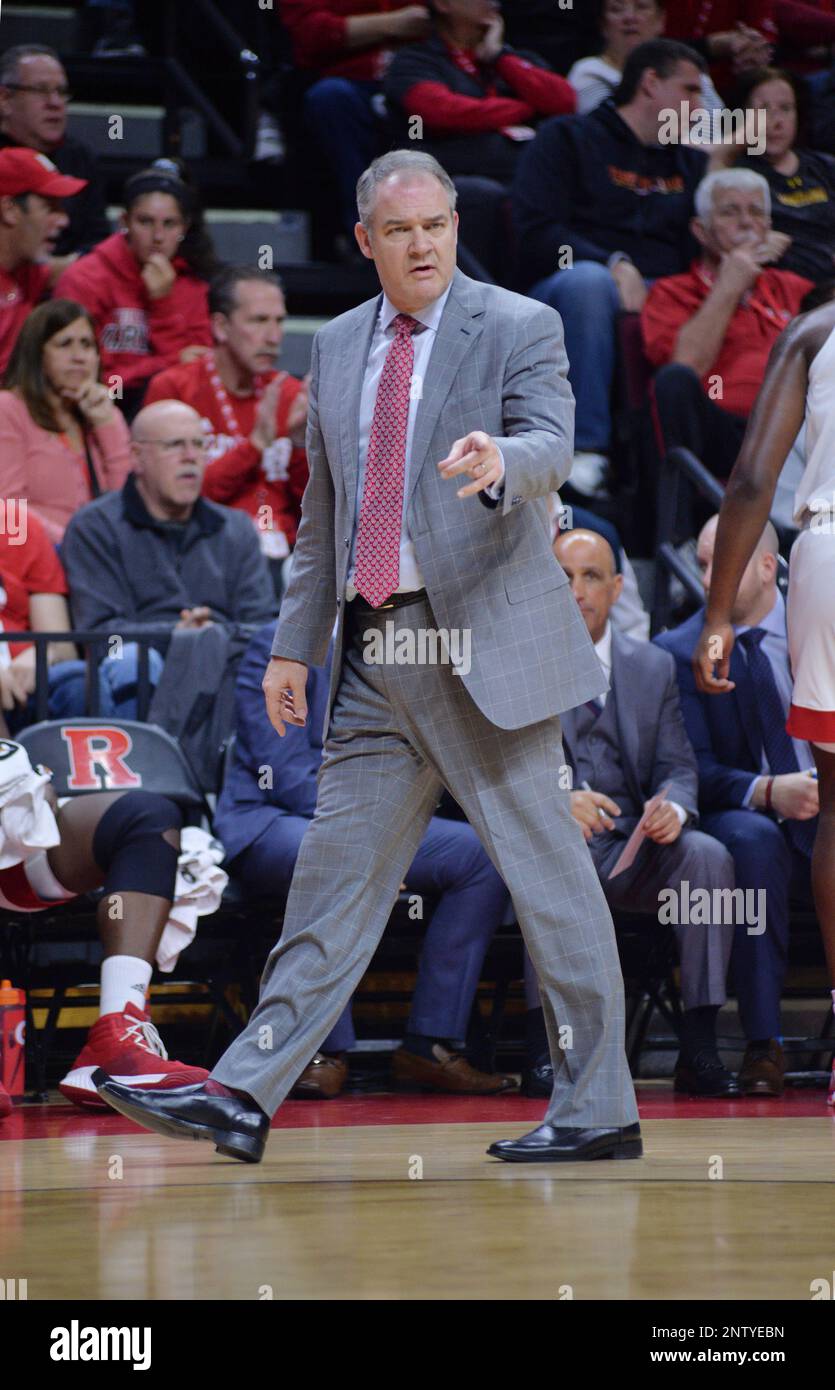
x=756 y=576
x=253 y=331
x=169 y=456
x=37 y=118
x=154 y=224
x=594 y=583
x=37 y=225
x=684 y=83
x=412 y=240
x=738 y=218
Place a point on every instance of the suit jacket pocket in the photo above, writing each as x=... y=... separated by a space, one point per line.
x=532 y=579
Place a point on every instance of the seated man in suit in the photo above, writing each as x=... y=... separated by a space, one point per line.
x=757 y=793
x=623 y=753
x=264 y=810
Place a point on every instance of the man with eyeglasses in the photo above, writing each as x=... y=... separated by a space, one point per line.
x=710 y=331
x=34 y=101
x=156 y=553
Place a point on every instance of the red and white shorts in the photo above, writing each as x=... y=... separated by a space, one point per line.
x=811 y=625
x=31 y=886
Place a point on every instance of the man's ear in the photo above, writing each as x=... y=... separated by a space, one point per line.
x=699 y=231
x=617 y=586
x=10 y=211
x=218 y=322
x=363 y=241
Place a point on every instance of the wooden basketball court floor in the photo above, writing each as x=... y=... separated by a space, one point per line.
x=393 y=1197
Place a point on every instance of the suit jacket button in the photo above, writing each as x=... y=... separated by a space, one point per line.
x=514 y=501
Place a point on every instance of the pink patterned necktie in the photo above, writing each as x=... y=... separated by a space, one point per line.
x=377 y=563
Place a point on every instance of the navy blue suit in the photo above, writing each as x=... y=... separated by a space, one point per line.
x=268 y=802
x=724 y=731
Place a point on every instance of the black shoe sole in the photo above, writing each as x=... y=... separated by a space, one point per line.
x=629 y=1148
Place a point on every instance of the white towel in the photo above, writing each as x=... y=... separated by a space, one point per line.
x=27 y=823
x=198 y=891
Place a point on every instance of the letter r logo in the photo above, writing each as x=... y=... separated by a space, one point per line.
x=105 y=748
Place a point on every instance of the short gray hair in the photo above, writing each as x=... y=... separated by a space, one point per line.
x=729 y=178
x=399 y=162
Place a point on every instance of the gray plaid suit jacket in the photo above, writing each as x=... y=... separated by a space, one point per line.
x=498 y=364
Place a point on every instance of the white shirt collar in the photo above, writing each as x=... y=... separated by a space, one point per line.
x=774 y=620
x=430 y=315
x=604 y=647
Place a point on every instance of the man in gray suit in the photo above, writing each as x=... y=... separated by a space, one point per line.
x=440 y=419
x=623 y=750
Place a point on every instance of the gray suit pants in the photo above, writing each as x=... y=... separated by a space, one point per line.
x=398 y=732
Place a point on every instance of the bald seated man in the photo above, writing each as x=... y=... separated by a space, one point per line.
x=769 y=829
x=157 y=554
x=622 y=750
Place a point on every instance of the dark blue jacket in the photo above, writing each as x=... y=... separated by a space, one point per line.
x=723 y=729
x=269 y=774
x=587 y=182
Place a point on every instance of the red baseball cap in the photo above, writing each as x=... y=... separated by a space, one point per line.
x=28 y=171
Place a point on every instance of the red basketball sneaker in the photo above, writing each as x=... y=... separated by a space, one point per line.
x=128 y=1047
x=5 y=1103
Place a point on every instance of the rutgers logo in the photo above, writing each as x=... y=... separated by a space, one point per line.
x=91 y=748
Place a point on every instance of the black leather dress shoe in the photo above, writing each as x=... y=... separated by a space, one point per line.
x=558 y=1144
x=538 y=1081
x=236 y=1127
x=705 y=1075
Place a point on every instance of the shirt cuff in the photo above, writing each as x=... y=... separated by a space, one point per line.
x=746 y=800
x=496 y=490
x=683 y=815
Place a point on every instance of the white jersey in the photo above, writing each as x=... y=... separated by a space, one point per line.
x=815 y=496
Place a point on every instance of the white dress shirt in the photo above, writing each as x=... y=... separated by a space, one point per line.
x=410 y=577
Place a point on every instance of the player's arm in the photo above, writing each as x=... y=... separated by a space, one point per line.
x=772 y=429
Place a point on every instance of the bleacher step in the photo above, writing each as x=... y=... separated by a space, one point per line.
x=138 y=135
x=58 y=26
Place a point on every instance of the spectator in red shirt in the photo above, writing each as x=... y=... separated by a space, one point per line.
x=32 y=599
x=253 y=417
x=711 y=330
x=478 y=102
x=31 y=217
x=349 y=44
x=146 y=286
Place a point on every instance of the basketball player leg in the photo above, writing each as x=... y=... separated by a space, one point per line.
x=127 y=843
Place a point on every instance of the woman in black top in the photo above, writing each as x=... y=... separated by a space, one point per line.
x=802 y=181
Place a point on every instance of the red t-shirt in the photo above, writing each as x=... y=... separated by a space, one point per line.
x=29 y=568
x=238 y=474
x=759 y=320
x=20 y=290
x=317 y=30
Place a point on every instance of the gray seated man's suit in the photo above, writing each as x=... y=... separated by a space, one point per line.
x=491 y=733
x=636 y=745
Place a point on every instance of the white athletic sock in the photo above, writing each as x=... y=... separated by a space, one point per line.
x=124 y=980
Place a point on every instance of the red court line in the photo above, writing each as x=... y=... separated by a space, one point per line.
x=60 y=1119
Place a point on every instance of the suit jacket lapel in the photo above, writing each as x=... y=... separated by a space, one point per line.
x=626 y=713
x=460 y=327
x=355 y=349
